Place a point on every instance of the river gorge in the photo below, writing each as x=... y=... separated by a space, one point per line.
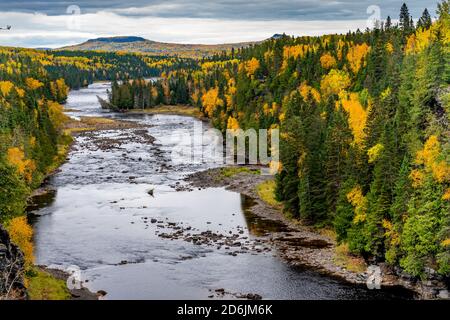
x=121 y=192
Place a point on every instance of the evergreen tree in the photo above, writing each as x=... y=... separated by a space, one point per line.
x=388 y=24
x=425 y=20
x=355 y=112
x=405 y=20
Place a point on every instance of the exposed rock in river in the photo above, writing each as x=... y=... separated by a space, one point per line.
x=302 y=246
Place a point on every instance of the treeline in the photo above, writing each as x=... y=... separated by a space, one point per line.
x=30 y=125
x=364 y=121
x=33 y=84
x=141 y=93
x=81 y=68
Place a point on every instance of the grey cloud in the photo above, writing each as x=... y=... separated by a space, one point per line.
x=226 y=9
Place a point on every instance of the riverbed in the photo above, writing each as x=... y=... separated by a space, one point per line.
x=121 y=191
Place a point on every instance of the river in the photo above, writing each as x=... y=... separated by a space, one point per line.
x=98 y=219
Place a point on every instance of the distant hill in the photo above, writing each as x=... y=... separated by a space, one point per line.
x=141 y=45
x=278 y=36
x=125 y=39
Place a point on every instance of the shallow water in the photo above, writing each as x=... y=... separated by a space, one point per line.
x=98 y=220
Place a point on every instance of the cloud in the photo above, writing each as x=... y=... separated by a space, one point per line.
x=224 y=9
x=52 y=31
x=40 y=23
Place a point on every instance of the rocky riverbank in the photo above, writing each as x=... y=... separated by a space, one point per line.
x=305 y=246
x=180 y=110
x=89 y=124
x=85 y=127
x=78 y=292
x=11 y=269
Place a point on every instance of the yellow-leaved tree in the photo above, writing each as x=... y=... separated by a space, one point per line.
x=327 y=61
x=25 y=167
x=356 y=56
x=59 y=89
x=307 y=92
x=430 y=161
x=232 y=123
x=359 y=202
x=5 y=87
x=374 y=152
x=57 y=116
x=21 y=234
x=211 y=101
x=251 y=66
x=33 y=84
x=334 y=82
x=357 y=115
x=419 y=41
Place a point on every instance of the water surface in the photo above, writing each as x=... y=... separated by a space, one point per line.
x=99 y=220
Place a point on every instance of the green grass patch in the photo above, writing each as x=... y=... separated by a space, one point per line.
x=327 y=232
x=345 y=259
x=232 y=171
x=266 y=191
x=172 y=109
x=43 y=286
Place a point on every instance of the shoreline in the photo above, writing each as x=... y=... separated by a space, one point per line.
x=179 y=110
x=288 y=231
x=298 y=245
x=73 y=128
x=304 y=246
x=82 y=293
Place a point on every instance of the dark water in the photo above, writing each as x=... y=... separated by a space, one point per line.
x=98 y=221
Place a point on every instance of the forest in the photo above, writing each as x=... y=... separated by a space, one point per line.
x=33 y=86
x=364 y=120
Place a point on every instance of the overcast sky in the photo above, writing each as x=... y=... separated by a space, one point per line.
x=41 y=23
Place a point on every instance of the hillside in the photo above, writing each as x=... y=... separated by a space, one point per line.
x=364 y=134
x=345 y=171
x=138 y=44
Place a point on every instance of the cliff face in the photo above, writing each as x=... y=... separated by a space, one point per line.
x=11 y=269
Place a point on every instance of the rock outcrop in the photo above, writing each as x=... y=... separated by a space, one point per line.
x=11 y=269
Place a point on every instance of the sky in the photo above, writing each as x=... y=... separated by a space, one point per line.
x=51 y=24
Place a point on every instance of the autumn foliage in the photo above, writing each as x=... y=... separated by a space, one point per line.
x=357 y=115
x=24 y=167
x=211 y=101
x=356 y=56
x=363 y=119
x=334 y=82
x=21 y=234
x=5 y=87
x=251 y=67
x=327 y=61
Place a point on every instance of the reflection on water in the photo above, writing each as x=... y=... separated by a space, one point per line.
x=257 y=225
x=41 y=201
x=103 y=220
x=39 y=204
